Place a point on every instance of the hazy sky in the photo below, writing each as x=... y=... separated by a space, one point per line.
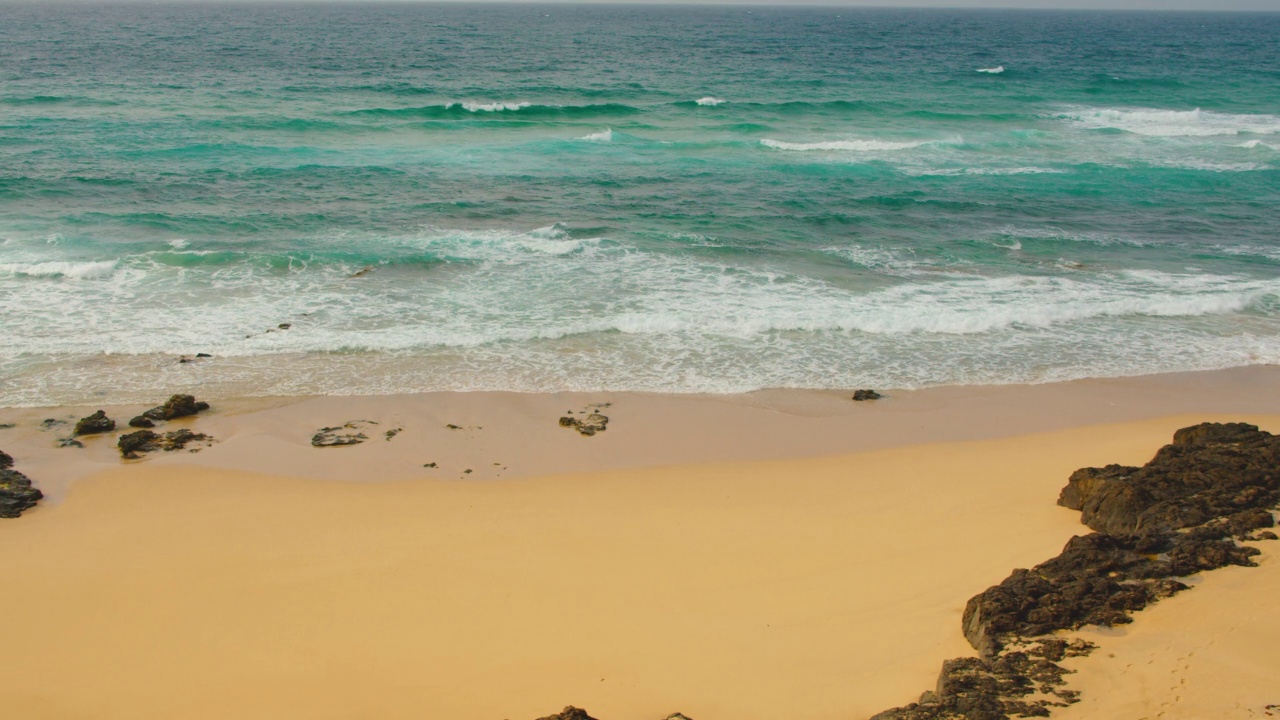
x=1271 y=5
x=1255 y=5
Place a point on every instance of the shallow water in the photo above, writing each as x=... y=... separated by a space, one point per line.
x=645 y=198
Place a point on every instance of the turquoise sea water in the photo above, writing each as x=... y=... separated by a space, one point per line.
x=678 y=199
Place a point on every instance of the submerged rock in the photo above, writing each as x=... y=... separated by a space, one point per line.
x=861 y=395
x=16 y=491
x=345 y=434
x=69 y=442
x=176 y=407
x=95 y=424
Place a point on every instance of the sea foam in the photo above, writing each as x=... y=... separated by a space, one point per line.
x=1174 y=123
x=992 y=71
x=710 y=101
x=845 y=145
x=490 y=107
x=70 y=270
x=602 y=136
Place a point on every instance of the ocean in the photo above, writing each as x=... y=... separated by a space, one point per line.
x=339 y=199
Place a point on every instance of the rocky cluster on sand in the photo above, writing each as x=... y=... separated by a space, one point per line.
x=349 y=433
x=135 y=443
x=16 y=492
x=1180 y=514
x=592 y=422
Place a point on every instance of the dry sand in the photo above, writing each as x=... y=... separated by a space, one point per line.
x=780 y=555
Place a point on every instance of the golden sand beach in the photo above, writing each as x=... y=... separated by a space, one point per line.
x=787 y=554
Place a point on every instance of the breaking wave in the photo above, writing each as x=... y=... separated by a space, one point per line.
x=845 y=145
x=1174 y=123
x=70 y=270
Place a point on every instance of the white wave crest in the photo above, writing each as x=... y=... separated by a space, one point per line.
x=71 y=270
x=1251 y=144
x=845 y=145
x=490 y=107
x=1174 y=123
x=602 y=136
x=992 y=71
x=178 y=243
x=708 y=100
x=944 y=172
x=505 y=245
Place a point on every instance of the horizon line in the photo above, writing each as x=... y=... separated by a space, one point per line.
x=1100 y=6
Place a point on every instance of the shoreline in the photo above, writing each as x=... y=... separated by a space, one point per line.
x=519 y=431
x=790 y=553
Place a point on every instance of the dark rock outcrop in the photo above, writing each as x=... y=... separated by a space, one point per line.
x=133 y=444
x=16 y=491
x=861 y=395
x=569 y=713
x=1209 y=471
x=590 y=425
x=1178 y=515
x=141 y=422
x=176 y=407
x=1025 y=683
x=95 y=424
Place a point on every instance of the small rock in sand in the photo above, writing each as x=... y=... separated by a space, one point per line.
x=861 y=395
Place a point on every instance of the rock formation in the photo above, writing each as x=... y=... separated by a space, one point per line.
x=133 y=444
x=16 y=492
x=175 y=407
x=861 y=395
x=94 y=424
x=1177 y=515
x=569 y=713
